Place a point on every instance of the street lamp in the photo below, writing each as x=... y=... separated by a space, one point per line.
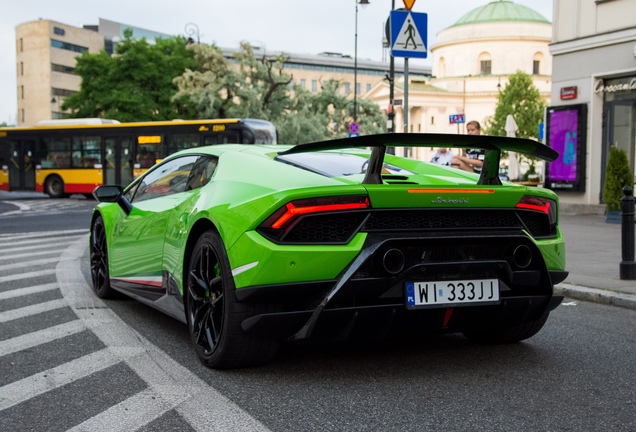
x=192 y=29
x=355 y=63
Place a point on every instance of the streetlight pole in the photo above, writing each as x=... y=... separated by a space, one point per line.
x=355 y=64
x=192 y=29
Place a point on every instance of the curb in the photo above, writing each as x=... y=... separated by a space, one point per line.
x=596 y=295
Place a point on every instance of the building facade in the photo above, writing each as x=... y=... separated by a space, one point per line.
x=46 y=52
x=594 y=57
x=472 y=61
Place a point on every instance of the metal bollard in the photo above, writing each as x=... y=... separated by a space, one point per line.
x=628 y=265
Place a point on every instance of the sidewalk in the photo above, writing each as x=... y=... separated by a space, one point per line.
x=593 y=255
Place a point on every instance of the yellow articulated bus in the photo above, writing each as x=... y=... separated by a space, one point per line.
x=64 y=157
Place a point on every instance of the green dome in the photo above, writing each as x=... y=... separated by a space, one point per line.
x=501 y=11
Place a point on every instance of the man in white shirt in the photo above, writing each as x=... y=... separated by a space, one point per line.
x=443 y=157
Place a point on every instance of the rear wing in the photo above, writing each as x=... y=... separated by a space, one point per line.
x=493 y=145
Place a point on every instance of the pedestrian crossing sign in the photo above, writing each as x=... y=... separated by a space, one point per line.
x=408 y=34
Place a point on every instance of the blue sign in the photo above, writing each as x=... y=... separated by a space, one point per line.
x=457 y=118
x=408 y=34
x=354 y=128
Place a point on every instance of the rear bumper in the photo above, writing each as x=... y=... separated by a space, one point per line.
x=367 y=299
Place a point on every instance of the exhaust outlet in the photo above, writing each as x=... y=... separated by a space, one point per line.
x=522 y=256
x=393 y=261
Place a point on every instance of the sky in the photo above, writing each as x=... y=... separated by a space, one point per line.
x=295 y=26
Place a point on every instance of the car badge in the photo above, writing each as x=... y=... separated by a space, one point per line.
x=441 y=200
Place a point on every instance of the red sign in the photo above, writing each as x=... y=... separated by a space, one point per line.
x=569 y=92
x=408 y=4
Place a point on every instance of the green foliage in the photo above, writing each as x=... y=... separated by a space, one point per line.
x=135 y=84
x=524 y=101
x=617 y=176
x=259 y=88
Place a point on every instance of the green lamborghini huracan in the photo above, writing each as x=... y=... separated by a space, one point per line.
x=255 y=245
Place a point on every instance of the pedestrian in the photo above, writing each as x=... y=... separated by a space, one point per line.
x=443 y=157
x=473 y=161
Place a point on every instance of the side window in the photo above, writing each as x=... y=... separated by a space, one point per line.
x=201 y=172
x=166 y=179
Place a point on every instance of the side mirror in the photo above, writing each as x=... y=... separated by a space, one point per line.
x=112 y=194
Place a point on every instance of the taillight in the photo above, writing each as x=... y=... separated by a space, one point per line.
x=286 y=215
x=542 y=204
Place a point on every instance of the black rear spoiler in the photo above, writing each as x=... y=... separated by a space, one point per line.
x=493 y=145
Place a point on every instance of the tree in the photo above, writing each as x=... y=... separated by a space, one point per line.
x=617 y=176
x=259 y=88
x=523 y=100
x=135 y=84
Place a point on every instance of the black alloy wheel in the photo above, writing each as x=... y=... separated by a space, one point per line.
x=214 y=314
x=99 y=261
x=205 y=300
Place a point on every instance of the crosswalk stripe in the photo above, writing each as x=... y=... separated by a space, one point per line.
x=42 y=242
x=35 y=385
x=42 y=234
x=60 y=242
x=23 y=264
x=15 y=256
x=40 y=337
x=20 y=292
x=35 y=309
x=26 y=275
x=206 y=409
x=136 y=411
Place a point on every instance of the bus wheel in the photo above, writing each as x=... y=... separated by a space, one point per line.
x=54 y=187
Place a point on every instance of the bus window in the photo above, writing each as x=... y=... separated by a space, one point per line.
x=87 y=152
x=148 y=154
x=55 y=153
x=176 y=142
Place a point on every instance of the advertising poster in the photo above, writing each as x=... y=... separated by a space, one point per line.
x=566 y=129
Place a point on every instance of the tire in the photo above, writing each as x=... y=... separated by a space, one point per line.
x=506 y=334
x=99 y=261
x=214 y=315
x=54 y=187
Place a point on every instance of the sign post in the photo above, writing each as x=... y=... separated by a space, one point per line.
x=408 y=39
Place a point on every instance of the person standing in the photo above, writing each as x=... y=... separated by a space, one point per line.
x=473 y=161
x=443 y=157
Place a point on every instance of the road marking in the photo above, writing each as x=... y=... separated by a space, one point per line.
x=59 y=242
x=35 y=385
x=40 y=242
x=40 y=337
x=134 y=412
x=27 y=291
x=26 y=275
x=203 y=407
x=43 y=234
x=26 y=311
x=8 y=257
x=36 y=263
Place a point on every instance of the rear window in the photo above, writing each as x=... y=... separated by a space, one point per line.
x=336 y=164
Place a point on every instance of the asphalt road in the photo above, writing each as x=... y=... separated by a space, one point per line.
x=137 y=366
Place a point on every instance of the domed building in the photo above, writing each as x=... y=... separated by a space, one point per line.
x=472 y=60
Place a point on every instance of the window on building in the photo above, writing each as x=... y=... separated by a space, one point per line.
x=441 y=68
x=22 y=91
x=302 y=83
x=22 y=115
x=324 y=84
x=432 y=120
x=58 y=31
x=486 y=67
x=21 y=45
x=22 y=68
x=536 y=63
x=347 y=88
x=314 y=85
x=357 y=88
x=485 y=63
x=68 y=46
x=62 y=68
x=62 y=92
x=368 y=88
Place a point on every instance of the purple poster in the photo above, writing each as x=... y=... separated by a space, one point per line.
x=563 y=130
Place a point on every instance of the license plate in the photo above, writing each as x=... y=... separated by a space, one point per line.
x=452 y=293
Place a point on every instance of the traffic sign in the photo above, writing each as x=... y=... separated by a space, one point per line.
x=457 y=118
x=354 y=128
x=408 y=34
x=408 y=4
